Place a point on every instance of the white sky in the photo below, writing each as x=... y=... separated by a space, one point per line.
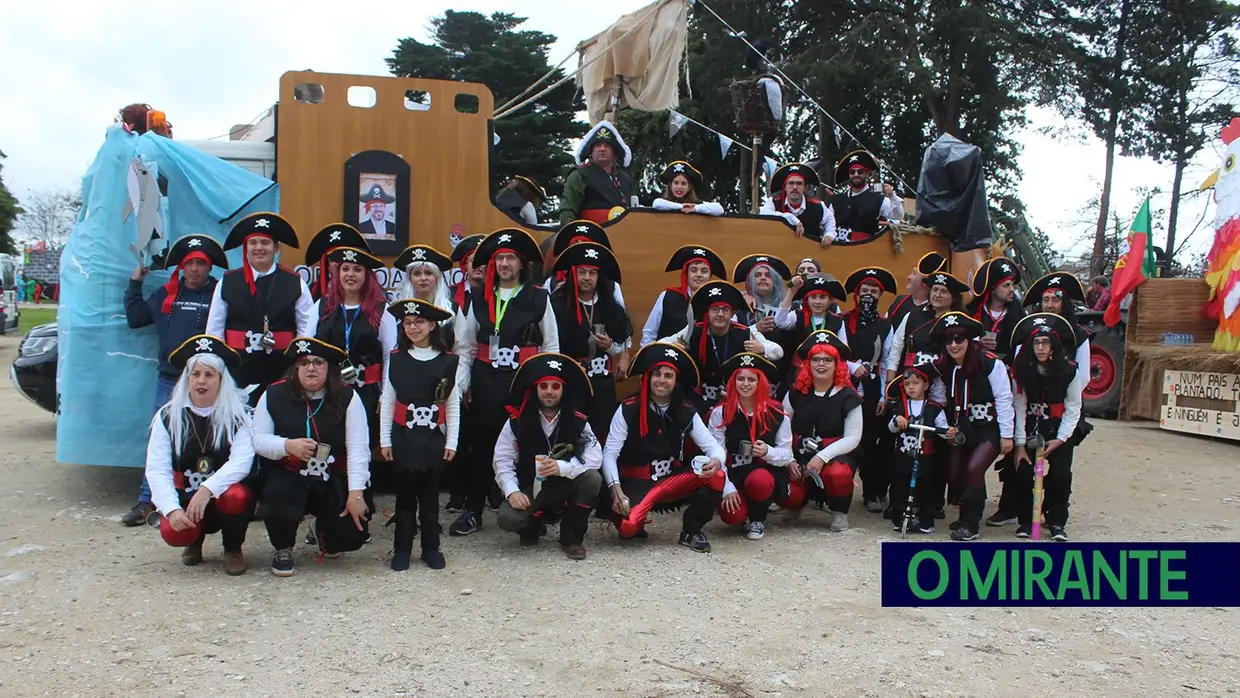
x=213 y=65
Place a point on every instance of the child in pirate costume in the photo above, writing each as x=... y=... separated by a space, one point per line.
x=912 y=341
x=313 y=443
x=1047 y=403
x=327 y=239
x=259 y=308
x=509 y=321
x=868 y=333
x=909 y=404
x=751 y=427
x=1058 y=293
x=547 y=458
x=644 y=459
x=681 y=181
x=715 y=337
x=670 y=314
x=583 y=307
x=424 y=268
x=827 y=422
x=199 y=451
x=812 y=299
x=419 y=426
x=978 y=399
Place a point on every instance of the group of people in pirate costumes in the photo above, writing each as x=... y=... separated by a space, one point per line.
x=854 y=214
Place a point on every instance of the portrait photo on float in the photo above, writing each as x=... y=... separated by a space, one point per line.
x=376 y=215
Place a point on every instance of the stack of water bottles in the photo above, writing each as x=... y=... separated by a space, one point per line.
x=1177 y=338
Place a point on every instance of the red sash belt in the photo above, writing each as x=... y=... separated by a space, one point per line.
x=372 y=374
x=400 y=414
x=1056 y=409
x=642 y=472
x=237 y=339
x=523 y=354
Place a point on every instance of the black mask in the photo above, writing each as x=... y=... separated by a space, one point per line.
x=867 y=308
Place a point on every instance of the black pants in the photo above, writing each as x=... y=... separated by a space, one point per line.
x=287 y=497
x=1005 y=468
x=967 y=469
x=875 y=459
x=1056 y=488
x=231 y=527
x=417 y=497
x=927 y=494
x=487 y=416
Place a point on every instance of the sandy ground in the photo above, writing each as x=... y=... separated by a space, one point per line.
x=88 y=607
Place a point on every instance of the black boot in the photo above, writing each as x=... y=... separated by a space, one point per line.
x=402 y=540
x=573 y=531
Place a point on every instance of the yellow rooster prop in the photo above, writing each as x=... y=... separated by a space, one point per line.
x=1223 y=262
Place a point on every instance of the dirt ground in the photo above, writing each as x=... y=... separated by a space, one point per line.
x=90 y=608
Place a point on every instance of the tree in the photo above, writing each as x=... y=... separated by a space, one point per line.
x=9 y=211
x=49 y=216
x=469 y=46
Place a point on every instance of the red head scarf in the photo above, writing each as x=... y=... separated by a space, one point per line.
x=174 y=282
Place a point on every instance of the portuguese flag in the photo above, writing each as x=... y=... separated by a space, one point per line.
x=1134 y=266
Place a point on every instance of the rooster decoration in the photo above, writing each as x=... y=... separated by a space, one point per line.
x=1223 y=263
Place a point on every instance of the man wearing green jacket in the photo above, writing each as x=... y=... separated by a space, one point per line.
x=599 y=185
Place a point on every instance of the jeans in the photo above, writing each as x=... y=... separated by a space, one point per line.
x=163 y=393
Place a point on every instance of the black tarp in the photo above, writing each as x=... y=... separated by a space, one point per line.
x=951 y=194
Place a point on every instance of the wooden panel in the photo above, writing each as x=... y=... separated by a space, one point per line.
x=1201 y=403
x=1169 y=305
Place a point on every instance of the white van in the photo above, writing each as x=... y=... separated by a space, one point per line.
x=8 y=294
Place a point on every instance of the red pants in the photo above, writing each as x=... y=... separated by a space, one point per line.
x=837 y=486
x=682 y=487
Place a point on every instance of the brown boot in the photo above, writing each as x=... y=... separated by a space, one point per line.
x=191 y=555
x=234 y=563
x=575 y=551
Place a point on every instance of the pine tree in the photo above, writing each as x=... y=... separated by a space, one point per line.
x=9 y=211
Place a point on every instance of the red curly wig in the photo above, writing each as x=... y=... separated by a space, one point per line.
x=766 y=409
x=805 y=379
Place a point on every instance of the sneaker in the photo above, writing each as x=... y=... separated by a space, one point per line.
x=234 y=563
x=468 y=522
x=191 y=555
x=757 y=530
x=695 y=541
x=953 y=525
x=311 y=539
x=495 y=499
x=400 y=560
x=137 y=515
x=1024 y=531
x=455 y=504
x=1001 y=518
x=574 y=552
x=874 y=505
x=964 y=533
x=926 y=528
x=1058 y=534
x=839 y=522
x=282 y=563
x=434 y=559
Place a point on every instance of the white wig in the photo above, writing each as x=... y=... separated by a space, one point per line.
x=440 y=297
x=230 y=411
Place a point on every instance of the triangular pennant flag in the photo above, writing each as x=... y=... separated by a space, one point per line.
x=769 y=166
x=725 y=144
x=675 y=122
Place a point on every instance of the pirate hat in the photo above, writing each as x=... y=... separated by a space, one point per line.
x=376 y=194
x=753 y=361
x=604 y=132
x=272 y=225
x=823 y=337
x=196 y=246
x=740 y=273
x=663 y=353
x=547 y=365
x=895 y=389
x=579 y=231
x=1043 y=324
x=542 y=193
x=780 y=176
x=863 y=158
x=334 y=235
x=942 y=278
x=416 y=306
x=354 y=256
x=466 y=247
x=512 y=240
x=877 y=275
x=931 y=262
x=819 y=283
x=994 y=272
x=714 y=293
x=1067 y=284
x=697 y=253
x=955 y=320
x=311 y=346
x=203 y=344
x=681 y=167
x=425 y=253
x=589 y=254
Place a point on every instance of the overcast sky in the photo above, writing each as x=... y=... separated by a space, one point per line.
x=212 y=65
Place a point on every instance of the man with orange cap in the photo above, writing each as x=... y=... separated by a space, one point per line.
x=178 y=310
x=259 y=308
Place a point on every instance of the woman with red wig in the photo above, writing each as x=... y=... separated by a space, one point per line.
x=979 y=404
x=750 y=425
x=826 y=416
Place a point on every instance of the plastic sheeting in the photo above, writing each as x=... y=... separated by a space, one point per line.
x=106 y=371
x=951 y=194
x=645 y=58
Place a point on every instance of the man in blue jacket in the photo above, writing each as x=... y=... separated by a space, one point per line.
x=179 y=311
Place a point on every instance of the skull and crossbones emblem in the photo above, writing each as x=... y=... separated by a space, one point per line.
x=820 y=338
x=951 y=321
x=747 y=361
x=940 y=279
x=412 y=309
x=349 y=256
x=318 y=468
x=978 y=413
x=583 y=229
x=678 y=167
x=740 y=461
x=922 y=358
x=505 y=357
x=670 y=353
x=710 y=392
x=193 y=480
x=422 y=417
x=194 y=242
x=591 y=254
x=1038 y=409
x=505 y=238
x=203 y=344
x=254 y=342
x=1039 y=321
x=871 y=272
x=699 y=251
x=760 y=259
x=598 y=367
x=555 y=365
x=660 y=468
x=262 y=223
x=1005 y=268
x=419 y=253
x=334 y=237
x=1054 y=281
x=794 y=168
x=908 y=443
x=715 y=292
x=303 y=347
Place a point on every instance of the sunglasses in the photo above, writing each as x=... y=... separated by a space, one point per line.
x=958 y=339
x=549 y=385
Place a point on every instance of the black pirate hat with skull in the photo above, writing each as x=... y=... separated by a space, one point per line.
x=876 y=275
x=311 y=346
x=352 y=255
x=857 y=158
x=994 y=272
x=331 y=236
x=414 y=254
x=201 y=344
x=1041 y=325
x=942 y=278
x=823 y=337
x=821 y=284
x=799 y=169
x=681 y=167
x=955 y=320
x=755 y=362
x=740 y=273
x=579 y=231
x=714 y=293
x=416 y=307
x=1067 y=285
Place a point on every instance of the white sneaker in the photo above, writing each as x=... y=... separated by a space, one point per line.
x=757 y=530
x=839 y=522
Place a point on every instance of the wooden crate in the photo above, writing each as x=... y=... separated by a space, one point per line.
x=1169 y=305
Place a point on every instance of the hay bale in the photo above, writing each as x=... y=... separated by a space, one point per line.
x=1142 y=396
x=1169 y=305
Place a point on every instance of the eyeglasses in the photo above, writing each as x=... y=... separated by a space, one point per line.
x=822 y=360
x=548 y=385
x=956 y=340
x=317 y=363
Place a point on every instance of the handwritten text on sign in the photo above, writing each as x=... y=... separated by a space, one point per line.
x=1201 y=403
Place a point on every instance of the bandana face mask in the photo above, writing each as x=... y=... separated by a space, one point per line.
x=867 y=308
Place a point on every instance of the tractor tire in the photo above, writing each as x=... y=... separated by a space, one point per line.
x=1106 y=372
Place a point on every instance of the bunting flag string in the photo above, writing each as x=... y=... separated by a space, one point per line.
x=725 y=144
x=676 y=121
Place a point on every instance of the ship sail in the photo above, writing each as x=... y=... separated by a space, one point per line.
x=635 y=62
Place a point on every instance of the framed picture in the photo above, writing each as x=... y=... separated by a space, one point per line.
x=376 y=199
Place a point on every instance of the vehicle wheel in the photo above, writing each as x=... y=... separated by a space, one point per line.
x=1106 y=372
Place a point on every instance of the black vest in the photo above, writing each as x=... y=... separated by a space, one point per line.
x=363 y=343
x=858 y=213
x=906 y=441
x=1003 y=329
x=288 y=412
x=1044 y=410
x=811 y=217
x=820 y=418
x=276 y=299
x=675 y=315
x=862 y=341
x=531 y=441
x=918 y=346
x=662 y=448
x=195 y=464
x=520 y=327
x=575 y=335
x=971 y=401
x=416 y=433
x=737 y=431
x=602 y=191
x=900 y=307
x=717 y=350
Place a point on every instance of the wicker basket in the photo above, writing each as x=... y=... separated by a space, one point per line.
x=753 y=116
